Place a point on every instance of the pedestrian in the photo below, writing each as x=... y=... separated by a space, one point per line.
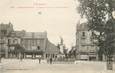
x=21 y=58
x=39 y=60
x=50 y=60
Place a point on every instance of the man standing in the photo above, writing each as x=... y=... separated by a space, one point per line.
x=39 y=60
x=50 y=60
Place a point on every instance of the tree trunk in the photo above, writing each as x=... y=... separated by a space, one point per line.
x=109 y=63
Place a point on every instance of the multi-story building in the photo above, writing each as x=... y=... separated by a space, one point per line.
x=5 y=30
x=13 y=40
x=86 y=50
x=38 y=43
x=13 y=43
x=32 y=40
x=34 y=43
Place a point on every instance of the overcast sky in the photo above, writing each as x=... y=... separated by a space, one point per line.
x=58 y=17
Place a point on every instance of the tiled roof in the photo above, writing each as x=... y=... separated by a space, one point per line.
x=51 y=48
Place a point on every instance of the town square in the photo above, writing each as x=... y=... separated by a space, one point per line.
x=57 y=36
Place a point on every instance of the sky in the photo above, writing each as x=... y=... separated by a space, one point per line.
x=57 y=17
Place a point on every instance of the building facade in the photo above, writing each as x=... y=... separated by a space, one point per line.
x=34 y=43
x=38 y=43
x=14 y=39
x=17 y=44
x=5 y=30
x=86 y=50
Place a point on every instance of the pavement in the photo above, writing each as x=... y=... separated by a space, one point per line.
x=33 y=66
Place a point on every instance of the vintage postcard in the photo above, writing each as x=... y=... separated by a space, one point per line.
x=57 y=36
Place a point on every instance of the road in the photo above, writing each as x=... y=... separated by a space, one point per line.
x=33 y=66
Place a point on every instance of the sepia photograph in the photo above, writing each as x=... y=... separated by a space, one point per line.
x=57 y=36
